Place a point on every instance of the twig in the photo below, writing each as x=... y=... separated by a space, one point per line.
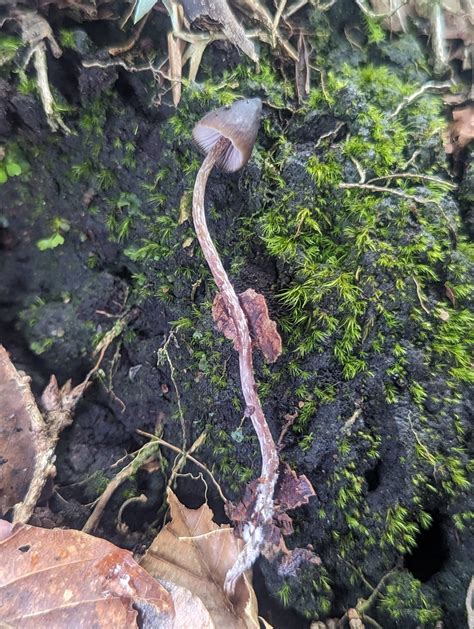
x=299 y=4
x=181 y=460
x=359 y=168
x=290 y=419
x=203 y=535
x=438 y=39
x=397 y=193
x=276 y=20
x=132 y=40
x=431 y=85
x=39 y=61
x=187 y=456
x=377 y=16
x=149 y=67
x=365 y=604
x=442 y=182
x=58 y=407
x=143 y=455
x=330 y=133
x=420 y=295
x=371 y=621
x=412 y=158
x=121 y=526
x=163 y=354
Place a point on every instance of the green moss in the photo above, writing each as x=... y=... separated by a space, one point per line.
x=67 y=38
x=405 y=600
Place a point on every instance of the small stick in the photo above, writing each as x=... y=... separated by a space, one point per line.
x=397 y=193
x=431 y=85
x=188 y=456
x=143 y=456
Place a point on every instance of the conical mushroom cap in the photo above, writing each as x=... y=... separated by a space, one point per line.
x=238 y=123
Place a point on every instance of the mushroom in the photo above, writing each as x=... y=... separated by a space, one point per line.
x=227 y=136
x=238 y=124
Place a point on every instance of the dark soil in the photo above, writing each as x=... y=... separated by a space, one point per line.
x=126 y=159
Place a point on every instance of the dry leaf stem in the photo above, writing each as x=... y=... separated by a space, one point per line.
x=263 y=510
x=145 y=454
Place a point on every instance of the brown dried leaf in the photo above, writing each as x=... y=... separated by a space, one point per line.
x=302 y=69
x=220 y=12
x=292 y=490
x=20 y=420
x=450 y=293
x=398 y=20
x=175 y=50
x=65 y=398
x=65 y=578
x=461 y=131
x=195 y=553
x=262 y=329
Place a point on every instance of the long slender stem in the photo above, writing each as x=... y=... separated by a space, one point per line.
x=263 y=511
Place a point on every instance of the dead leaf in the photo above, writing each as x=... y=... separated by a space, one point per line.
x=292 y=490
x=28 y=438
x=461 y=131
x=302 y=69
x=444 y=22
x=20 y=420
x=398 y=20
x=194 y=52
x=220 y=12
x=65 y=578
x=450 y=293
x=195 y=553
x=175 y=50
x=262 y=329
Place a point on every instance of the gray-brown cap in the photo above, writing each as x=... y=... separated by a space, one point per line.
x=238 y=123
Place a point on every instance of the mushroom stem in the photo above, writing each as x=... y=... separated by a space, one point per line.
x=263 y=509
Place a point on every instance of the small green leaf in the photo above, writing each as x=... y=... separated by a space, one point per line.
x=3 y=175
x=50 y=243
x=13 y=169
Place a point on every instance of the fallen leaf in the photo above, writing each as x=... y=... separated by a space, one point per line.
x=262 y=329
x=450 y=294
x=195 y=553
x=28 y=438
x=292 y=490
x=20 y=421
x=194 y=52
x=220 y=12
x=302 y=69
x=175 y=50
x=59 y=578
